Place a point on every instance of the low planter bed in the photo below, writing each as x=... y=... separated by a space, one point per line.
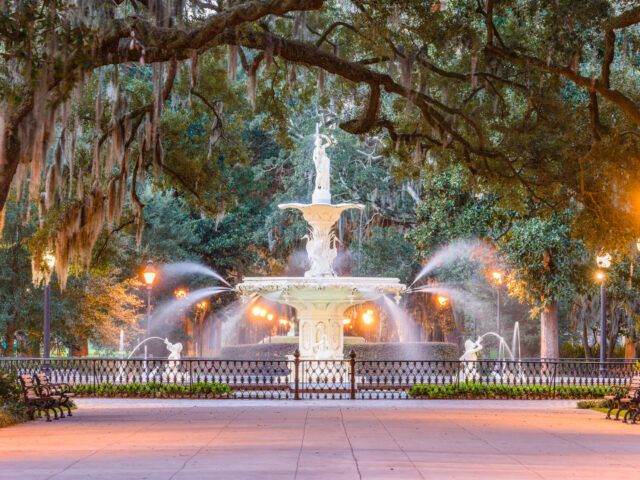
x=154 y=390
x=471 y=390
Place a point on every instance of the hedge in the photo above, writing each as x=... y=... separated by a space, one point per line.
x=154 y=390
x=12 y=408
x=473 y=390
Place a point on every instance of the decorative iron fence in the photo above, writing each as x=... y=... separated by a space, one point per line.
x=313 y=379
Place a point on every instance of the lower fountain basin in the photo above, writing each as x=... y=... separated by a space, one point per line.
x=320 y=303
x=414 y=351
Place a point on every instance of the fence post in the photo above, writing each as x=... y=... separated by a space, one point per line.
x=296 y=375
x=555 y=376
x=93 y=365
x=352 y=374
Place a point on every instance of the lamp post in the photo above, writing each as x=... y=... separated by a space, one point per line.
x=603 y=261
x=497 y=277
x=149 y=274
x=49 y=262
x=181 y=293
x=202 y=308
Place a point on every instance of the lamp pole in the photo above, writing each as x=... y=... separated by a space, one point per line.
x=49 y=262
x=149 y=274
x=603 y=324
x=603 y=261
x=47 y=321
x=497 y=277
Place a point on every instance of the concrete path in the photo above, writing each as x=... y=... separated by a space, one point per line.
x=184 y=439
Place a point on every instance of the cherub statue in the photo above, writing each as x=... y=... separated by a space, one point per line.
x=469 y=359
x=175 y=349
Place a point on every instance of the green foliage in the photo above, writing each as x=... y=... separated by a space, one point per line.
x=473 y=390
x=384 y=253
x=547 y=264
x=12 y=408
x=154 y=390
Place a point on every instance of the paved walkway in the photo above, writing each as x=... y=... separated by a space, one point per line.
x=183 y=439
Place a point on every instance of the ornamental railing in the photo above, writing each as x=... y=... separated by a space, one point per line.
x=340 y=379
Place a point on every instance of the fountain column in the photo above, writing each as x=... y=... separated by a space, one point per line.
x=320 y=330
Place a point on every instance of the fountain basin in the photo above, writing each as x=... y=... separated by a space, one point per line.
x=414 y=351
x=320 y=303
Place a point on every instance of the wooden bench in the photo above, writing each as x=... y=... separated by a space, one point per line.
x=39 y=400
x=627 y=399
x=64 y=390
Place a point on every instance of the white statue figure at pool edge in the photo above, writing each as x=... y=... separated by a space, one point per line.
x=469 y=359
x=175 y=349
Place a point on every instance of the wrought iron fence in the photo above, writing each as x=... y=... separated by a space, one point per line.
x=302 y=379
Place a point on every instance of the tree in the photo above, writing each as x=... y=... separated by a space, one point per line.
x=547 y=266
x=467 y=83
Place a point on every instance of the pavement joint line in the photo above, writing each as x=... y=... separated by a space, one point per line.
x=346 y=434
x=588 y=449
x=90 y=454
x=397 y=444
x=208 y=443
x=304 y=432
x=486 y=442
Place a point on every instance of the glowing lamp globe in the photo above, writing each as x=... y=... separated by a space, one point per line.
x=149 y=274
x=49 y=260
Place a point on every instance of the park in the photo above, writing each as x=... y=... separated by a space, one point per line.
x=319 y=239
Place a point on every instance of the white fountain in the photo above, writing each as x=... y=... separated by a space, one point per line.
x=320 y=297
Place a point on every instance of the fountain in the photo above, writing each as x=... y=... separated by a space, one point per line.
x=320 y=297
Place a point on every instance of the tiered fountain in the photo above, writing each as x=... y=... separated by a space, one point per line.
x=320 y=297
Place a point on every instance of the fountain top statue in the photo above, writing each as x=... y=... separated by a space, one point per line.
x=321 y=297
x=322 y=162
x=320 y=214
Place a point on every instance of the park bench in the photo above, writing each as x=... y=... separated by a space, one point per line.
x=39 y=400
x=64 y=390
x=626 y=399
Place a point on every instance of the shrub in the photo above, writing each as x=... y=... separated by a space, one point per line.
x=12 y=408
x=154 y=390
x=587 y=404
x=474 y=390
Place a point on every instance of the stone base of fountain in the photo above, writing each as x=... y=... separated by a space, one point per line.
x=364 y=351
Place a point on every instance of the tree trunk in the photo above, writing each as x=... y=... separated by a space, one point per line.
x=630 y=348
x=549 y=332
x=585 y=339
x=10 y=339
x=81 y=349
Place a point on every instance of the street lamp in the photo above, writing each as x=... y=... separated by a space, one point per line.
x=49 y=261
x=149 y=274
x=603 y=261
x=497 y=278
x=202 y=308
